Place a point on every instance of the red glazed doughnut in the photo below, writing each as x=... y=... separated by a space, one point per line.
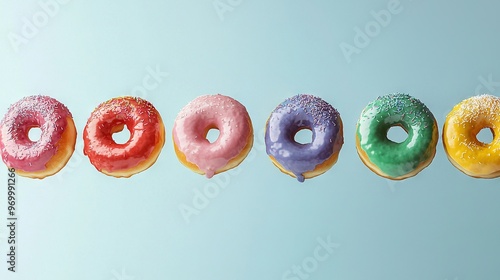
x=49 y=154
x=147 y=136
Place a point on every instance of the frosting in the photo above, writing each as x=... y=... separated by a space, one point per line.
x=202 y=114
x=303 y=112
x=462 y=125
x=43 y=112
x=142 y=120
x=397 y=109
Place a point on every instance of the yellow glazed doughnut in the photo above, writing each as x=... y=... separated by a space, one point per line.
x=464 y=150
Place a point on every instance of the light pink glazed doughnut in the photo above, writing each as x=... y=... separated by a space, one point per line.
x=192 y=125
x=49 y=154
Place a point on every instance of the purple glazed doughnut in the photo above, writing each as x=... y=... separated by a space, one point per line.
x=304 y=161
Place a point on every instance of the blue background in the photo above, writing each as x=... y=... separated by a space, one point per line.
x=257 y=223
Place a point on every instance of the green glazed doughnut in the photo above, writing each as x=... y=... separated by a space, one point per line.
x=396 y=161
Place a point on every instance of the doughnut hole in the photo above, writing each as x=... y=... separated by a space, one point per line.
x=34 y=134
x=120 y=135
x=397 y=134
x=485 y=135
x=212 y=135
x=303 y=136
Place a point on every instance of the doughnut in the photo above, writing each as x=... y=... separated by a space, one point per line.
x=464 y=150
x=147 y=136
x=304 y=161
x=396 y=161
x=212 y=112
x=47 y=155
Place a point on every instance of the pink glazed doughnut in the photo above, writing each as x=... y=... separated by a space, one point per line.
x=49 y=154
x=212 y=112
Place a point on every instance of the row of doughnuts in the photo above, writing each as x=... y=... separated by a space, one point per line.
x=47 y=155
